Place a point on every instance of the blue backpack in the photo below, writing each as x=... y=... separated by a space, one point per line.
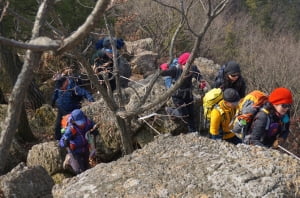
x=169 y=81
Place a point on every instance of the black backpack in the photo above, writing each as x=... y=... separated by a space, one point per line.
x=219 y=79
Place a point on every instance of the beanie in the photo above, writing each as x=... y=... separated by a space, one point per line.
x=281 y=95
x=183 y=58
x=232 y=67
x=231 y=95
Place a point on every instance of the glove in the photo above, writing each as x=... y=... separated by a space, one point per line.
x=63 y=143
x=202 y=84
x=277 y=142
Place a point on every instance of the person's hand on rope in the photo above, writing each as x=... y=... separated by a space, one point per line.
x=277 y=142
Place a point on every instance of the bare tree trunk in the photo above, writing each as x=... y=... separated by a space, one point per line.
x=34 y=97
x=12 y=69
x=35 y=48
x=126 y=136
x=2 y=98
x=16 y=100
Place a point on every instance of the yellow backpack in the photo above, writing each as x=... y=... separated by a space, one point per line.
x=210 y=99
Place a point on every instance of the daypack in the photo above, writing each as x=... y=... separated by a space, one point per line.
x=64 y=123
x=105 y=43
x=220 y=76
x=210 y=100
x=248 y=107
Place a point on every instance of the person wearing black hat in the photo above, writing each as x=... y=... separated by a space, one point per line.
x=230 y=77
x=222 y=115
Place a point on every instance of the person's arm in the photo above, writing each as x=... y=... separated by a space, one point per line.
x=259 y=129
x=285 y=129
x=54 y=98
x=196 y=73
x=215 y=124
x=83 y=92
x=65 y=139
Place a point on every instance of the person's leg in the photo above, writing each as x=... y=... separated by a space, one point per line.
x=83 y=161
x=190 y=115
x=59 y=116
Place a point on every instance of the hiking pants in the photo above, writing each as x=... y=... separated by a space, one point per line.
x=83 y=160
x=186 y=107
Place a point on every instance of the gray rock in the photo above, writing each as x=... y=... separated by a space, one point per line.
x=48 y=155
x=23 y=182
x=189 y=166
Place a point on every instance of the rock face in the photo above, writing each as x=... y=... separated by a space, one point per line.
x=47 y=155
x=26 y=182
x=189 y=166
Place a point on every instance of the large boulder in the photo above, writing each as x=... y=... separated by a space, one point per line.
x=136 y=47
x=189 y=166
x=144 y=63
x=48 y=155
x=26 y=182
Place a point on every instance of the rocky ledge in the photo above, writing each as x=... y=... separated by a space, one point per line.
x=189 y=166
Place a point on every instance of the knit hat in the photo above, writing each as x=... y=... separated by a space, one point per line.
x=231 y=95
x=183 y=58
x=281 y=95
x=164 y=66
x=78 y=117
x=232 y=68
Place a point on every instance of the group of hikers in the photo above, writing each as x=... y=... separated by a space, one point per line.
x=73 y=129
x=235 y=116
x=76 y=132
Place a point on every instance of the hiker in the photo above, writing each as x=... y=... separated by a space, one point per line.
x=230 y=77
x=183 y=97
x=271 y=124
x=75 y=140
x=67 y=96
x=222 y=115
x=105 y=43
x=103 y=66
x=168 y=79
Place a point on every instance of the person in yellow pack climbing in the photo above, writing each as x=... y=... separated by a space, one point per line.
x=221 y=117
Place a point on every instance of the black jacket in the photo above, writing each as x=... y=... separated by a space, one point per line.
x=239 y=85
x=266 y=127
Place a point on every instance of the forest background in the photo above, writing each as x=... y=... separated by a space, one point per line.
x=263 y=36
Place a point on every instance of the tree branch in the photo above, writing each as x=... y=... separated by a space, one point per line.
x=85 y=28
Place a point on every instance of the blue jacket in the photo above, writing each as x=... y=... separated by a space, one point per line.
x=70 y=99
x=76 y=137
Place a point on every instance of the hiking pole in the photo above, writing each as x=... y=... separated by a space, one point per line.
x=292 y=154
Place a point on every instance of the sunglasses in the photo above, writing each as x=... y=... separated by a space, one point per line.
x=286 y=106
x=234 y=75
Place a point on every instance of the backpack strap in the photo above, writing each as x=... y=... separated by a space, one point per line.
x=217 y=107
